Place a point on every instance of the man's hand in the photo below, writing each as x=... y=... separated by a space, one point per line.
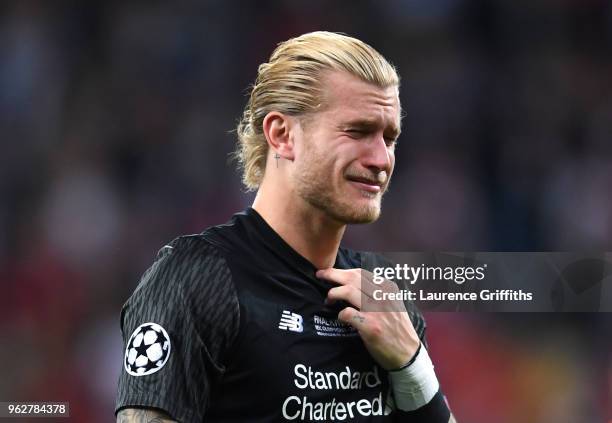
x=387 y=333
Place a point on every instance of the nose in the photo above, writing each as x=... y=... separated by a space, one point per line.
x=378 y=156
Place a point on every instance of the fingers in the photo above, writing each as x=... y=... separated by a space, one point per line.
x=359 y=279
x=347 y=293
x=358 y=289
x=350 y=281
x=341 y=276
x=389 y=335
x=352 y=317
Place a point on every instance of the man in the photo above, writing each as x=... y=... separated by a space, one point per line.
x=261 y=319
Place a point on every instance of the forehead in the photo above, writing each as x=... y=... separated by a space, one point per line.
x=346 y=96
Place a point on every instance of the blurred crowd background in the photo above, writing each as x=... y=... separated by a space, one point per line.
x=116 y=124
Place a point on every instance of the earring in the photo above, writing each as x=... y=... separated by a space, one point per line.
x=277 y=156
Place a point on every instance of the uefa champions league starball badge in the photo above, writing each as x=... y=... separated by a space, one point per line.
x=147 y=350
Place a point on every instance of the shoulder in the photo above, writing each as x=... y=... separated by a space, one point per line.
x=189 y=285
x=183 y=265
x=192 y=252
x=190 y=278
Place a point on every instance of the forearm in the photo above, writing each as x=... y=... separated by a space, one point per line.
x=143 y=415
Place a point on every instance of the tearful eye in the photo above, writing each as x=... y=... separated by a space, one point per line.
x=390 y=141
x=355 y=132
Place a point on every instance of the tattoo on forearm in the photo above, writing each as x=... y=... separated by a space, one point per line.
x=142 y=415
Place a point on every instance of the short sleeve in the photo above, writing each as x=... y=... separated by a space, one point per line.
x=177 y=328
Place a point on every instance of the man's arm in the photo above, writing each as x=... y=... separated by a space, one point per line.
x=143 y=415
x=385 y=327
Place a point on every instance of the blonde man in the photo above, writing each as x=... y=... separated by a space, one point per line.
x=261 y=319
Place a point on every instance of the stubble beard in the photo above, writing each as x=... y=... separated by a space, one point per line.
x=314 y=184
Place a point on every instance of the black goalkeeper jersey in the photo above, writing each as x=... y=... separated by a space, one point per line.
x=231 y=326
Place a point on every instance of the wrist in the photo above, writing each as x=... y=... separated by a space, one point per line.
x=412 y=360
x=415 y=383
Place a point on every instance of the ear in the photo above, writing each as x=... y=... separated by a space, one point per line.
x=278 y=129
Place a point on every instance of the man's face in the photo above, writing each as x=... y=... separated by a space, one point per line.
x=345 y=152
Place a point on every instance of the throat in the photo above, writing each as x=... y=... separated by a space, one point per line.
x=311 y=234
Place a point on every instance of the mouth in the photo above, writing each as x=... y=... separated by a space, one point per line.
x=365 y=184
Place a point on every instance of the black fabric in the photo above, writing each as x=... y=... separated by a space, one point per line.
x=187 y=291
x=435 y=411
x=252 y=340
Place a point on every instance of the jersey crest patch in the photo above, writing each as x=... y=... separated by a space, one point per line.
x=291 y=321
x=147 y=350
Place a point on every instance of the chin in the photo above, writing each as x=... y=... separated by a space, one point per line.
x=357 y=213
x=347 y=209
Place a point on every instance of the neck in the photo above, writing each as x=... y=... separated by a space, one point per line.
x=309 y=231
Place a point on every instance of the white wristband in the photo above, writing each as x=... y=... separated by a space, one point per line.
x=415 y=385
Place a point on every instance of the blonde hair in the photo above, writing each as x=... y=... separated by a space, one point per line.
x=289 y=83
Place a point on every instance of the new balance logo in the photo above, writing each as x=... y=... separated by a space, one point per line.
x=291 y=321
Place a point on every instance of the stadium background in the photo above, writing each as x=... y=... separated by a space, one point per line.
x=115 y=122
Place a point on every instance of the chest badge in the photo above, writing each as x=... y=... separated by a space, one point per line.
x=291 y=321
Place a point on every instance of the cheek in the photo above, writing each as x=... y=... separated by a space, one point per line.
x=330 y=158
x=332 y=168
x=316 y=164
x=344 y=161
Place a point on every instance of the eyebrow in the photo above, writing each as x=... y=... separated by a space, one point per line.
x=368 y=124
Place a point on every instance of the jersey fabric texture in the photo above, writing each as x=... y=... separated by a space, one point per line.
x=251 y=337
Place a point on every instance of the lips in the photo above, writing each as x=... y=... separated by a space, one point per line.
x=366 y=184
